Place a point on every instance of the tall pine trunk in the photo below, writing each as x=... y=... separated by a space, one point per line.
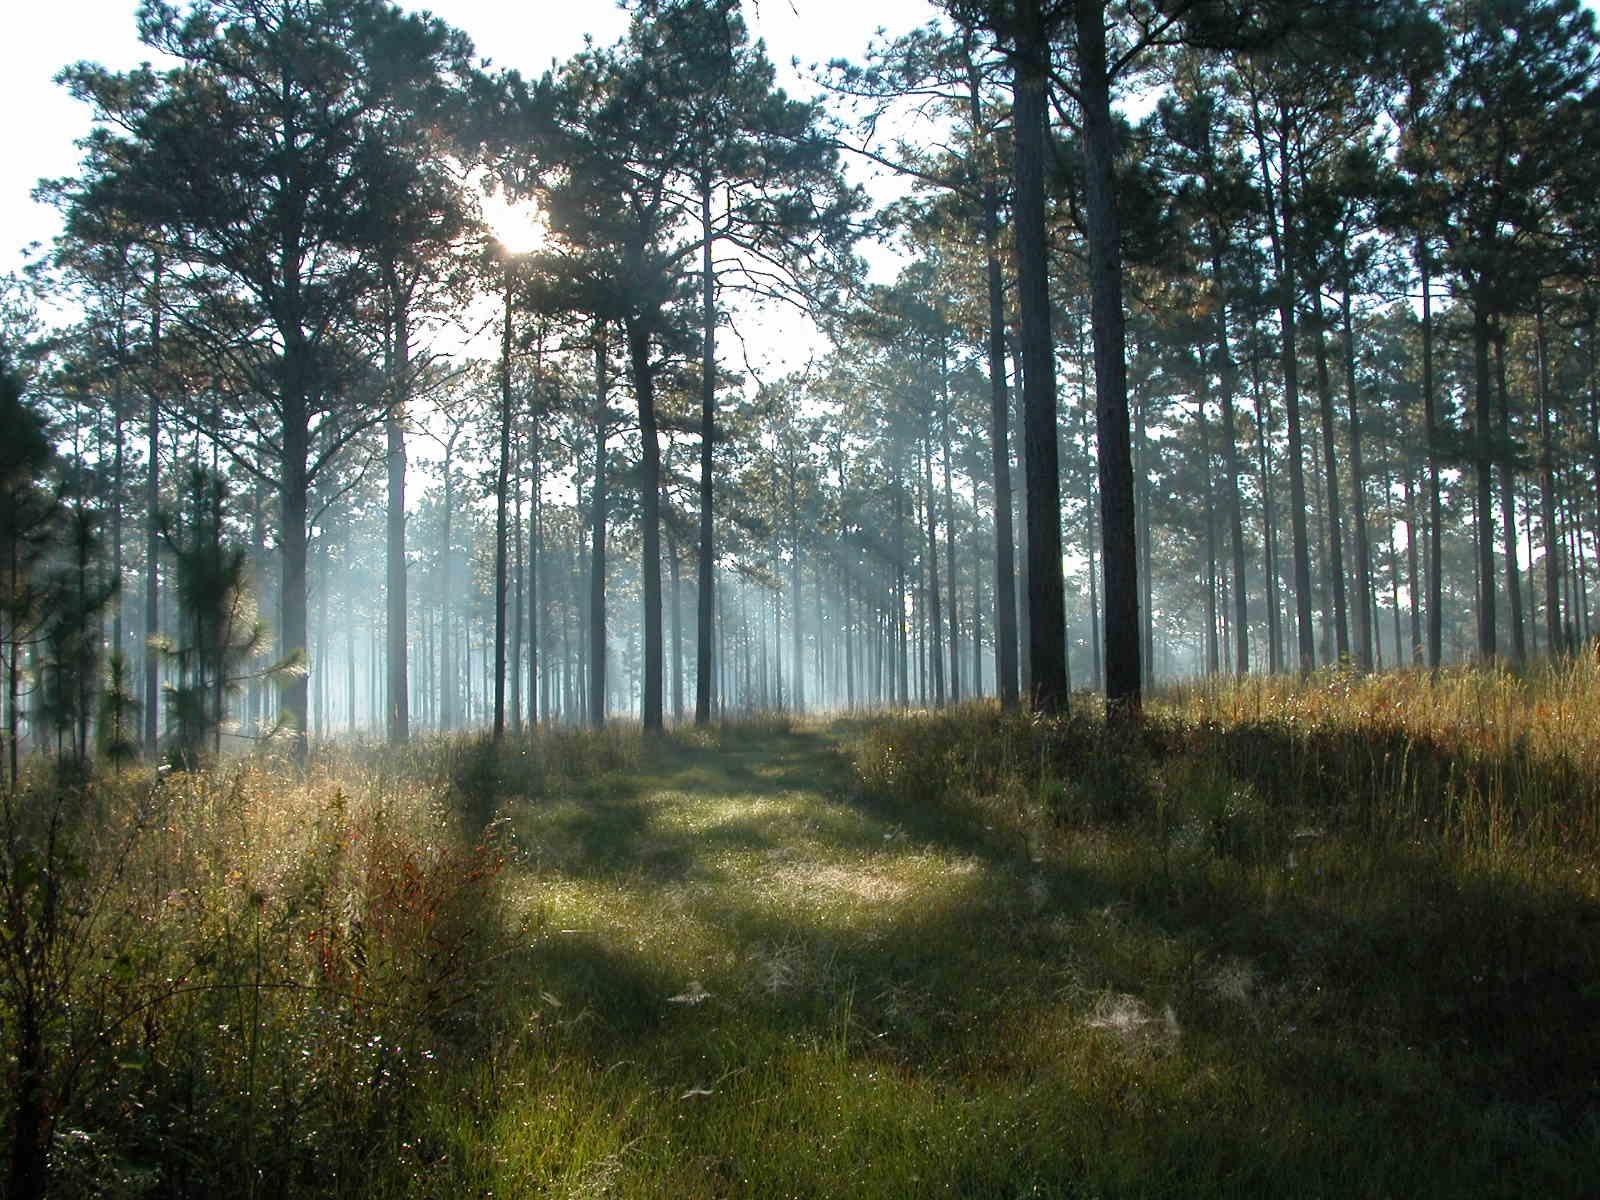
x=1547 y=488
x=501 y=489
x=1508 y=503
x=1365 y=610
x=597 y=552
x=1005 y=571
x=708 y=425
x=1280 y=225
x=1330 y=474
x=1046 y=592
x=1227 y=379
x=399 y=714
x=1119 y=552
x=643 y=373
x=152 y=527
x=1483 y=478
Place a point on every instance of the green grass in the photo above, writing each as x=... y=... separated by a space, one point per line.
x=903 y=995
x=976 y=955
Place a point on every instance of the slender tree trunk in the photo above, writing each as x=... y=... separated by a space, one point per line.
x=152 y=529
x=650 y=518
x=1090 y=540
x=1483 y=470
x=950 y=532
x=501 y=488
x=1508 y=503
x=292 y=496
x=597 y=569
x=902 y=666
x=1280 y=226
x=518 y=580
x=398 y=700
x=1269 y=523
x=1024 y=638
x=677 y=630
x=1330 y=472
x=849 y=645
x=1005 y=589
x=796 y=631
x=1413 y=576
x=1213 y=657
x=535 y=539
x=1435 y=563
x=1547 y=488
x=935 y=645
x=1227 y=378
x=708 y=424
x=1358 y=507
x=118 y=482
x=449 y=684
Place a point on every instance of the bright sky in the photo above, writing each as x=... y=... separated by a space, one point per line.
x=42 y=121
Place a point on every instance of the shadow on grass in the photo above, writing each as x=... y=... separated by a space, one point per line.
x=1367 y=1019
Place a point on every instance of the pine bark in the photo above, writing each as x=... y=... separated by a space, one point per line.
x=1119 y=551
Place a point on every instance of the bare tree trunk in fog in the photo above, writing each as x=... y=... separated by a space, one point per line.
x=597 y=559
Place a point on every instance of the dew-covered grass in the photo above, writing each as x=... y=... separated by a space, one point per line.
x=1339 y=938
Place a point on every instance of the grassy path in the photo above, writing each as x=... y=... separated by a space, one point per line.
x=744 y=978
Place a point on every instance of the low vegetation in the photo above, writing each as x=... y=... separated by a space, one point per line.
x=1331 y=938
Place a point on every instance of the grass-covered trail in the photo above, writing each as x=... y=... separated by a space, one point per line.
x=747 y=974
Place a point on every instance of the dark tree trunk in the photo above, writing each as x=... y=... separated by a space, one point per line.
x=1005 y=571
x=1430 y=418
x=30 y=1118
x=152 y=530
x=1269 y=523
x=1227 y=378
x=1212 y=650
x=293 y=492
x=1365 y=610
x=1330 y=473
x=501 y=488
x=118 y=480
x=1046 y=594
x=708 y=425
x=1508 y=503
x=1483 y=478
x=1120 y=551
x=1413 y=575
x=1547 y=489
x=1281 y=228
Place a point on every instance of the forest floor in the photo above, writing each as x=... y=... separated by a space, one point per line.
x=1332 y=937
x=748 y=974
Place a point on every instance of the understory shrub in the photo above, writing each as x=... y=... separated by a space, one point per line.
x=235 y=980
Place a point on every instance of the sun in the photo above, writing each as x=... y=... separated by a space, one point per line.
x=518 y=226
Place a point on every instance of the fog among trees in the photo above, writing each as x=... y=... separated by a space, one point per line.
x=397 y=392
